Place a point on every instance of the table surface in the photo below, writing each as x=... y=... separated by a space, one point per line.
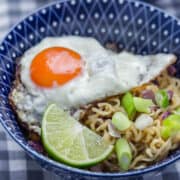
x=14 y=163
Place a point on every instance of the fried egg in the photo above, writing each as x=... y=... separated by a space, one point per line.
x=73 y=71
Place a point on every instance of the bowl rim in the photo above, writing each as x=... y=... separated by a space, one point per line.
x=59 y=165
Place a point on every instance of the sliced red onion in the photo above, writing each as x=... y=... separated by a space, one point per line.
x=154 y=108
x=171 y=70
x=113 y=131
x=36 y=145
x=148 y=94
x=165 y=115
x=170 y=94
x=155 y=81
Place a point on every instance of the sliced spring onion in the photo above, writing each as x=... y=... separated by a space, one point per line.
x=143 y=121
x=128 y=104
x=124 y=153
x=121 y=121
x=173 y=119
x=165 y=132
x=143 y=105
x=162 y=98
x=170 y=126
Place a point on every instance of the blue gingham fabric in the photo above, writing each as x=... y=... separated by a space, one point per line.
x=14 y=163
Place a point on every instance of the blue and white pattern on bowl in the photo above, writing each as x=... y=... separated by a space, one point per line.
x=134 y=26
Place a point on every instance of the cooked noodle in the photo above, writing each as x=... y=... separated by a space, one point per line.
x=147 y=145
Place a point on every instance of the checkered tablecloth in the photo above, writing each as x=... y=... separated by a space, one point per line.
x=14 y=163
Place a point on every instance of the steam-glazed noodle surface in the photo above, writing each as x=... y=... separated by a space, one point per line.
x=148 y=147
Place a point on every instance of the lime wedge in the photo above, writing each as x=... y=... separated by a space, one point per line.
x=66 y=140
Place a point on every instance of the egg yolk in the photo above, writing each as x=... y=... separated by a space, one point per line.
x=55 y=66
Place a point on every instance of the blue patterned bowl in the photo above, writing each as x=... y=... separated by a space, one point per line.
x=133 y=25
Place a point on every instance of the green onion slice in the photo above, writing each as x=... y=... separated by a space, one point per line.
x=172 y=120
x=128 y=104
x=124 y=153
x=162 y=99
x=121 y=121
x=143 y=105
x=170 y=126
x=165 y=132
